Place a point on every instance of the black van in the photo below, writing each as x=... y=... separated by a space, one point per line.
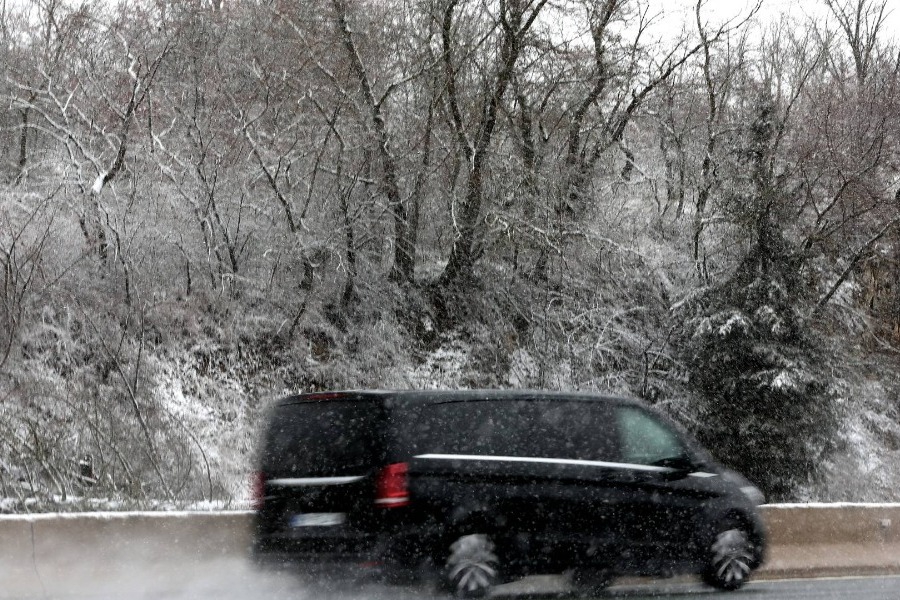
x=483 y=487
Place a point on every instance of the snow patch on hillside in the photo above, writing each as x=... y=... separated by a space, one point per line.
x=866 y=468
x=523 y=369
x=219 y=415
x=442 y=367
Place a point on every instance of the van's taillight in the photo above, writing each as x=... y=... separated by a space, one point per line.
x=391 y=487
x=257 y=490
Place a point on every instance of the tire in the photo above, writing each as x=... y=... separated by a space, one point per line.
x=471 y=569
x=730 y=558
x=589 y=582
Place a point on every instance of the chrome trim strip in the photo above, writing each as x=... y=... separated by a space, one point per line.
x=551 y=461
x=300 y=481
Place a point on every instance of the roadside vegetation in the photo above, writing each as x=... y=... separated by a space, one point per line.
x=205 y=205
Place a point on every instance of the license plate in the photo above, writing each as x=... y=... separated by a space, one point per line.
x=318 y=519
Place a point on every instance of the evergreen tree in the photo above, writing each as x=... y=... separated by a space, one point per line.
x=765 y=405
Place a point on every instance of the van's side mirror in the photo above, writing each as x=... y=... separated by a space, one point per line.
x=683 y=464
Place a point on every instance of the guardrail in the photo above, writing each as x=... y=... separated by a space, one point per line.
x=94 y=553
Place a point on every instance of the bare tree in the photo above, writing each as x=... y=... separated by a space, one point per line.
x=403 y=268
x=23 y=242
x=861 y=22
x=514 y=20
x=718 y=83
x=625 y=97
x=87 y=98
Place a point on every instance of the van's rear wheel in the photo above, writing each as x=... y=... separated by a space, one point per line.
x=730 y=557
x=471 y=569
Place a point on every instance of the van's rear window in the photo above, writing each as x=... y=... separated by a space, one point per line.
x=323 y=438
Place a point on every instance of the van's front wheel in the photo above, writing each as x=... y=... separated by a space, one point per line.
x=730 y=557
x=472 y=566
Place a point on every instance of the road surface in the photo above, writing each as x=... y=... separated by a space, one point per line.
x=287 y=588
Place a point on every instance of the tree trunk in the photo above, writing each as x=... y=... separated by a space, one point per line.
x=464 y=252
x=23 y=145
x=403 y=267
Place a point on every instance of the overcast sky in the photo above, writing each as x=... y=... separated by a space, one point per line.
x=677 y=11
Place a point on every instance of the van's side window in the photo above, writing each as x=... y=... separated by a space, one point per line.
x=645 y=440
x=574 y=430
x=528 y=428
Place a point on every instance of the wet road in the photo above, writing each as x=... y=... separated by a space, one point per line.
x=863 y=588
x=853 y=588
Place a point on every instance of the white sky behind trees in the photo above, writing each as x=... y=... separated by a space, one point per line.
x=675 y=16
x=676 y=13
x=671 y=20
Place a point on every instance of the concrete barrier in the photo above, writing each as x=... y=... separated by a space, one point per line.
x=833 y=523
x=94 y=553
x=17 y=566
x=807 y=540
x=98 y=553
x=81 y=553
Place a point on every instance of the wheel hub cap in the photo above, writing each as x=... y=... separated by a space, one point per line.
x=731 y=556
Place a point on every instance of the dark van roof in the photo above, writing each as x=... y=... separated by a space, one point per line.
x=435 y=396
x=342 y=433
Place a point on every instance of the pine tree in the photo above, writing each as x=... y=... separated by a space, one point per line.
x=765 y=405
